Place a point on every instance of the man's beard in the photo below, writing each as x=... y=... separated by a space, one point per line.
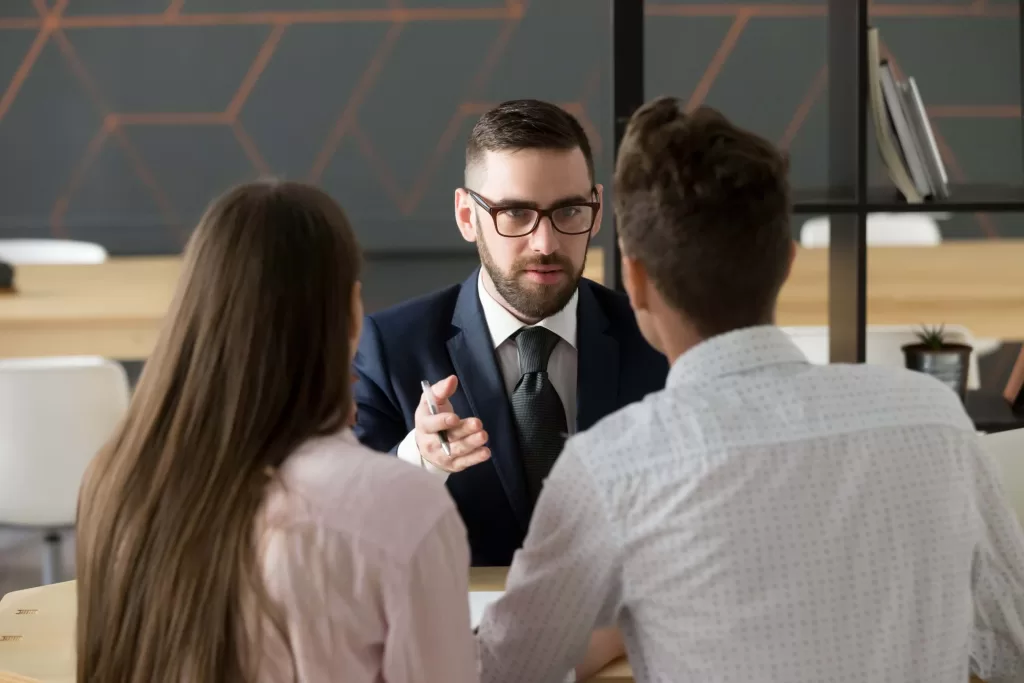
x=533 y=301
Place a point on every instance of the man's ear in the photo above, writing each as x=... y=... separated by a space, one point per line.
x=636 y=282
x=793 y=247
x=599 y=188
x=464 y=215
x=356 y=321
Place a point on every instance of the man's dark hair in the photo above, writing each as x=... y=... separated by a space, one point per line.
x=527 y=124
x=704 y=205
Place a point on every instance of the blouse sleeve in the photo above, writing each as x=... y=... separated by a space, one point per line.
x=429 y=635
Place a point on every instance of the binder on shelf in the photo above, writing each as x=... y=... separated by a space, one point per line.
x=926 y=139
x=904 y=135
x=891 y=157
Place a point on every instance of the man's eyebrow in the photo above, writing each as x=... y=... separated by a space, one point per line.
x=527 y=204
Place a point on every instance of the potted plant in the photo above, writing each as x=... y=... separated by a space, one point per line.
x=946 y=361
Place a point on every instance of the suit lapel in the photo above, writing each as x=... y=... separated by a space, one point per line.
x=472 y=354
x=598 y=361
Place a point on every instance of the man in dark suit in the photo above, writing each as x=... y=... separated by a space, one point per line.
x=522 y=353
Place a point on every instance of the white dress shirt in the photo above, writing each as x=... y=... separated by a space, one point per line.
x=765 y=519
x=562 y=365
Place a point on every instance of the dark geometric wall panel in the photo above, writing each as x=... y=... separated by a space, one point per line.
x=45 y=131
x=121 y=119
x=313 y=83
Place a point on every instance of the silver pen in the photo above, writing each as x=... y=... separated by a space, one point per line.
x=432 y=404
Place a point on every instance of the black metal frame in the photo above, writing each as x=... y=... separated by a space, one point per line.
x=847 y=201
x=847 y=37
x=847 y=176
x=628 y=90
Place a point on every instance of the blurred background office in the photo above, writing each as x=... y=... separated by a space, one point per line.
x=121 y=119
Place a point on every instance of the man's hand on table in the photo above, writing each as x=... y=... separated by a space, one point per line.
x=605 y=647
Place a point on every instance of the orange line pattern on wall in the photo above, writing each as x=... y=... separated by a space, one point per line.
x=50 y=24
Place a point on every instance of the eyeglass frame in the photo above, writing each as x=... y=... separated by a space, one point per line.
x=541 y=213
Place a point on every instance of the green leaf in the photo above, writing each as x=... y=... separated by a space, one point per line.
x=932 y=337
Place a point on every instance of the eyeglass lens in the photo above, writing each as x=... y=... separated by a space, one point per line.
x=514 y=222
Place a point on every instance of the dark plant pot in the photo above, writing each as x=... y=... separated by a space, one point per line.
x=949 y=364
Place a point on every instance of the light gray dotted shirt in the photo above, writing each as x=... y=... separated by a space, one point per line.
x=765 y=519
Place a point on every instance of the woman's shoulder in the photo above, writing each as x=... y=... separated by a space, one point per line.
x=337 y=483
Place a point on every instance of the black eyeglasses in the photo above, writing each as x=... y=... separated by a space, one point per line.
x=520 y=220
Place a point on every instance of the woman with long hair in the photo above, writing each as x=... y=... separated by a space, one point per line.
x=233 y=529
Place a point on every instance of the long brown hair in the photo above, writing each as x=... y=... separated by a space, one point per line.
x=253 y=360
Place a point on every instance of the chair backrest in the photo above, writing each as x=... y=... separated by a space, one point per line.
x=55 y=414
x=27 y=252
x=884 y=345
x=1007 y=450
x=42 y=621
x=884 y=230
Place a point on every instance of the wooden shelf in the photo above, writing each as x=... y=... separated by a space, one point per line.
x=967 y=198
x=822 y=201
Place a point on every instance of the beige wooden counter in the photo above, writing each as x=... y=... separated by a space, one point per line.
x=40 y=644
x=116 y=309
x=978 y=284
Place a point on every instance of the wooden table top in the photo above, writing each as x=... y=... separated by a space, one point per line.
x=40 y=644
x=116 y=309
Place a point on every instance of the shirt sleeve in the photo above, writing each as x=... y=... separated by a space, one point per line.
x=562 y=585
x=997 y=647
x=429 y=635
x=410 y=453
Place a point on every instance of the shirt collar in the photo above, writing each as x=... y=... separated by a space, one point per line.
x=743 y=350
x=503 y=324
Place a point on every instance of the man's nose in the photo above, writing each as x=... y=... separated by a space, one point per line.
x=544 y=240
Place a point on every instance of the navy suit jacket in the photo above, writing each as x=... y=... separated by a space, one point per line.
x=445 y=333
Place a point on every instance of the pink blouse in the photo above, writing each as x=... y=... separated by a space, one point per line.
x=366 y=559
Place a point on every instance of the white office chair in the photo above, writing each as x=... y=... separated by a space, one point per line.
x=884 y=345
x=884 y=230
x=51 y=252
x=1007 y=450
x=55 y=414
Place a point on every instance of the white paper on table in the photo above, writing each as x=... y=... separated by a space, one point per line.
x=478 y=602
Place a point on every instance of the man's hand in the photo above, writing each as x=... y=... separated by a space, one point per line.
x=606 y=646
x=465 y=437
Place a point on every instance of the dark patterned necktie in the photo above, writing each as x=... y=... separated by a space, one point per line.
x=538 y=412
